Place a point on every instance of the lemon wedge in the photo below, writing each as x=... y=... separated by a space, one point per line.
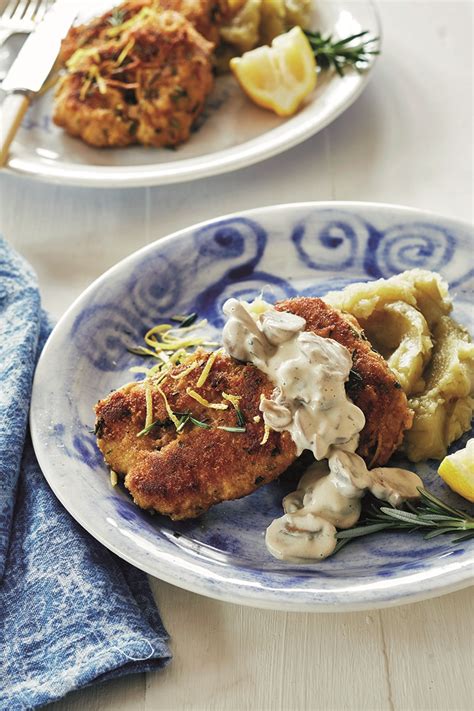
x=457 y=470
x=278 y=77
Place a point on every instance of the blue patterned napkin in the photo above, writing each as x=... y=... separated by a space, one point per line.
x=71 y=612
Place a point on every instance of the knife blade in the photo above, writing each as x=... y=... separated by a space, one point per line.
x=31 y=68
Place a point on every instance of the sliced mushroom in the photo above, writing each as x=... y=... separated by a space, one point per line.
x=326 y=500
x=300 y=536
x=279 y=326
x=349 y=473
x=241 y=335
x=395 y=485
x=276 y=415
x=294 y=501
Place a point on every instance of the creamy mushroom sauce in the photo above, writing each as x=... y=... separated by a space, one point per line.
x=308 y=371
x=328 y=497
x=310 y=402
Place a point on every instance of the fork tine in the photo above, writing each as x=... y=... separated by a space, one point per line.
x=9 y=10
x=21 y=16
x=41 y=9
x=31 y=9
x=20 y=9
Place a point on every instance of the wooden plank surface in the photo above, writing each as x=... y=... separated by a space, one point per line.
x=408 y=140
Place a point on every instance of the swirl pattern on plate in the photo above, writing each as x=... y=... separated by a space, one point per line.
x=332 y=245
x=307 y=249
x=412 y=246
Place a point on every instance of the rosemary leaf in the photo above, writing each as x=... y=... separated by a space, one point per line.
x=464 y=537
x=430 y=498
x=147 y=430
x=340 y=544
x=188 y=321
x=438 y=532
x=182 y=422
x=240 y=418
x=404 y=516
x=435 y=517
x=232 y=429
x=198 y=423
x=364 y=530
x=117 y=17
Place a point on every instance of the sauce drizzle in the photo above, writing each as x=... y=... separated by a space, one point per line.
x=309 y=399
x=310 y=402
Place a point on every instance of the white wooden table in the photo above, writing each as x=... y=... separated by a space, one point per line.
x=407 y=140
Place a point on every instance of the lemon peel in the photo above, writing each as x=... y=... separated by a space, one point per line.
x=202 y=400
x=278 y=77
x=207 y=369
x=457 y=471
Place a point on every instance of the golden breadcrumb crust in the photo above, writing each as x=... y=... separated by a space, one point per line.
x=146 y=85
x=181 y=474
x=371 y=386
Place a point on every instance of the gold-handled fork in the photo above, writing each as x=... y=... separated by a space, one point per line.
x=31 y=68
x=21 y=17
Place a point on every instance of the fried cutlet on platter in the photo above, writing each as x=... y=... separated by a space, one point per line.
x=182 y=474
x=144 y=80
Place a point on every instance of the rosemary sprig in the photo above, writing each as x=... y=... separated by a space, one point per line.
x=340 y=54
x=432 y=515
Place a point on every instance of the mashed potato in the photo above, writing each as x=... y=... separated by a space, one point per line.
x=258 y=22
x=443 y=411
x=406 y=319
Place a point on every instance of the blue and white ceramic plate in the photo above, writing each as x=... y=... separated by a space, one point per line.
x=232 y=134
x=289 y=249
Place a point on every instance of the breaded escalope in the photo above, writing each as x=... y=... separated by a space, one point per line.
x=204 y=15
x=181 y=474
x=144 y=81
x=371 y=386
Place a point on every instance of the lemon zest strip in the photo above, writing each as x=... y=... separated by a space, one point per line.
x=234 y=399
x=202 y=400
x=149 y=403
x=101 y=83
x=185 y=372
x=84 y=89
x=206 y=370
x=139 y=369
x=128 y=47
x=82 y=53
x=266 y=434
x=169 y=411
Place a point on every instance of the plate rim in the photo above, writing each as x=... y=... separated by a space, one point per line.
x=227 y=160
x=406 y=589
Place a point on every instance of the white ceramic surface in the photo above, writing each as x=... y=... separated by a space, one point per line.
x=302 y=248
x=233 y=133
